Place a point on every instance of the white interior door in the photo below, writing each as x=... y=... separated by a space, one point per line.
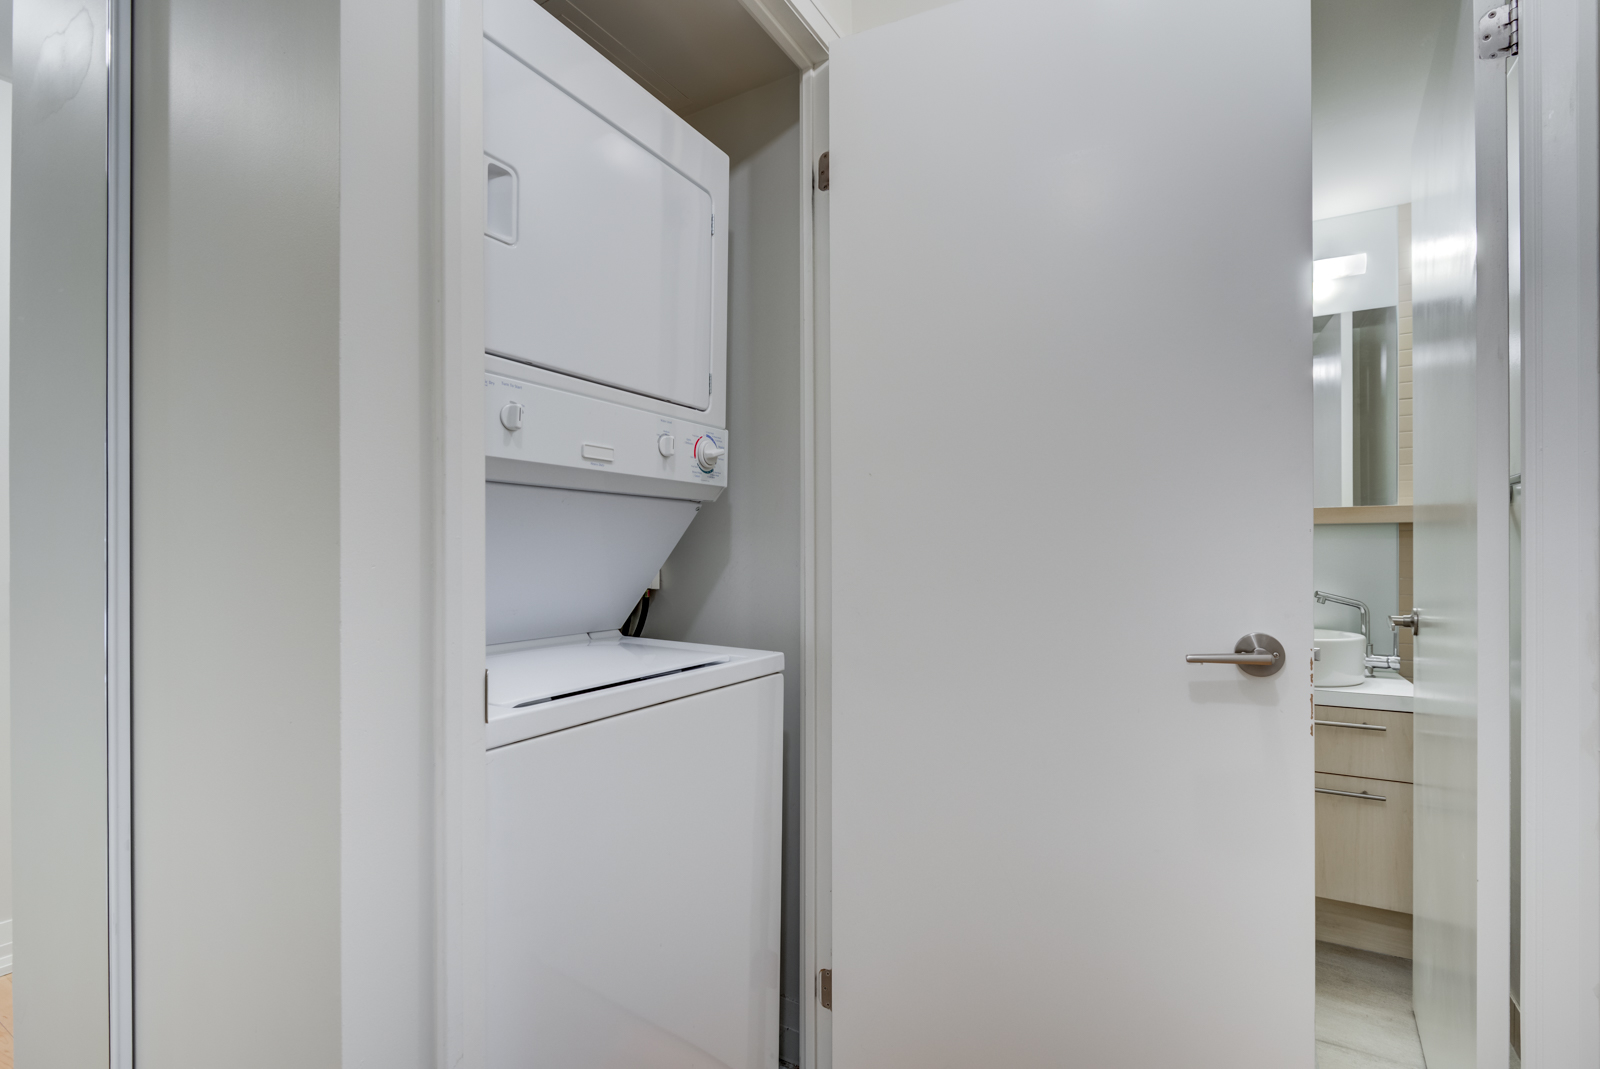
x=1071 y=443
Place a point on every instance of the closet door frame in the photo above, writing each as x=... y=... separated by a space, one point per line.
x=1560 y=178
x=119 y=530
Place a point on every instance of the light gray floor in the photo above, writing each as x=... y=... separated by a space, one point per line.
x=1364 y=1016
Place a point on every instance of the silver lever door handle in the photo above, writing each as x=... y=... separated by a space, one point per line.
x=1412 y=619
x=1256 y=654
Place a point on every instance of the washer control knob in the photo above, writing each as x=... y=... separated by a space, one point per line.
x=511 y=416
x=707 y=452
x=667 y=444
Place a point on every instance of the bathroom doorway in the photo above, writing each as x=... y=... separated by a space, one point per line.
x=1411 y=691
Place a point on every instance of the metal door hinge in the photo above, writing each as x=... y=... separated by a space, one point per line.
x=822 y=172
x=1497 y=32
x=825 y=987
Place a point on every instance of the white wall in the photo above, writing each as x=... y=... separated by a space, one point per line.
x=236 y=476
x=1375 y=233
x=735 y=578
x=286 y=408
x=1369 y=64
x=388 y=683
x=5 y=512
x=1362 y=561
x=866 y=14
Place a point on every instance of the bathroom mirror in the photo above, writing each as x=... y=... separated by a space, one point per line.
x=1355 y=360
x=1355 y=405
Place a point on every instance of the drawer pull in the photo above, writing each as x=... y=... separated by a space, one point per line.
x=1347 y=724
x=1353 y=794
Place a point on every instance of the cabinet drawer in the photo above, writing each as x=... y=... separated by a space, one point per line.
x=1364 y=845
x=1357 y=751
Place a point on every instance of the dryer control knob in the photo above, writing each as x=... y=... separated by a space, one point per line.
x=667 y=444
x=511 y=416
x=707 y=452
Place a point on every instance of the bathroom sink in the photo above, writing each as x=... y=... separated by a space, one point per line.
x=1342 y=662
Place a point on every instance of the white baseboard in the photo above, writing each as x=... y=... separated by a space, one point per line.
x=5 y=948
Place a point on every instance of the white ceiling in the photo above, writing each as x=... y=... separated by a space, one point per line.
x=1369 y=67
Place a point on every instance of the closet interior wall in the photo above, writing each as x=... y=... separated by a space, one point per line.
x=736 y=577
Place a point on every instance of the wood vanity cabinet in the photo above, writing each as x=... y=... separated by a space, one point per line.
x=1364 y=833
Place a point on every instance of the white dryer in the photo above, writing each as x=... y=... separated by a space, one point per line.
x=634 y=785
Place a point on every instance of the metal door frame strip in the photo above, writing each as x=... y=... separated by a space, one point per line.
x=119 y=530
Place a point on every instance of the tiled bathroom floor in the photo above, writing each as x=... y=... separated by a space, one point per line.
x=1364 y=1016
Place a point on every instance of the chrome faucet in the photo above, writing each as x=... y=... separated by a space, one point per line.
x=1371 y=662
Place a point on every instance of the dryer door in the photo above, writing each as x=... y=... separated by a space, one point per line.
x=597 y=253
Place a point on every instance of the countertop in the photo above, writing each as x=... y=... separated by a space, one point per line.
x=1386 y=690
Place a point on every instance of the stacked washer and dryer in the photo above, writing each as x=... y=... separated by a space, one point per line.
x=634 y=785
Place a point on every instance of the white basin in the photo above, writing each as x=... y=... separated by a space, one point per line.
x=1343 y=660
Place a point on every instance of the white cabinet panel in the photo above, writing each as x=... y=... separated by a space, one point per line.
x=633 y=888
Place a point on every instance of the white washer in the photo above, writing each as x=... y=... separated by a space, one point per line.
x=634 y=838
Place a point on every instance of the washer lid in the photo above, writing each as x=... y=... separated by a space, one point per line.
x=522 y=678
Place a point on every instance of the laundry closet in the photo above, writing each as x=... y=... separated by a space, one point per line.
x=643 y=395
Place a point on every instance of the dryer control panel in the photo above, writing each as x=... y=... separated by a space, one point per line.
x=538 y=435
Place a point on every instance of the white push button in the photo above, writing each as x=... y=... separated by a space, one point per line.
x=511 y=416
x=604 y=453
x=667 y=444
